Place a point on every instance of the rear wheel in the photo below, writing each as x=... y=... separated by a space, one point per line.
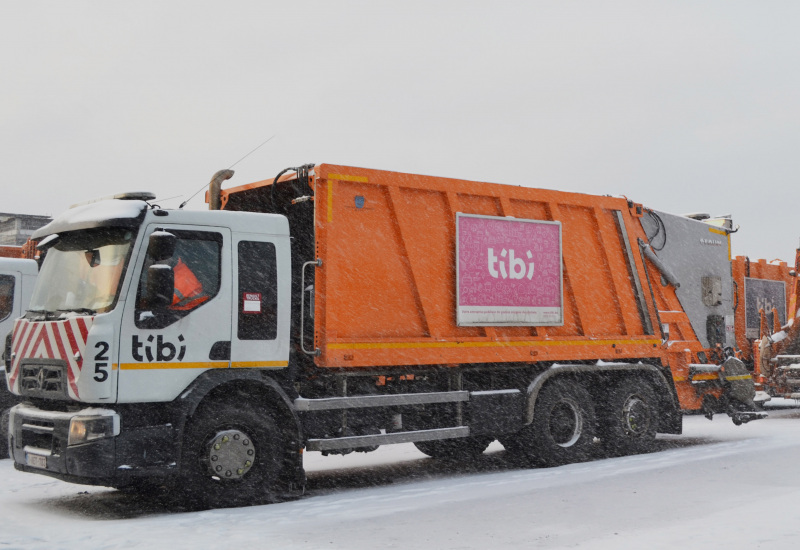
x=233 y=456
x=467 y=448
x=629 y=419
x=563 y=428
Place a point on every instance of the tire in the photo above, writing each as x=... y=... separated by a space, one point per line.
x=233 y=456
x=4 y=416
x=629 y=418
x=563 y=428
x=464 y=449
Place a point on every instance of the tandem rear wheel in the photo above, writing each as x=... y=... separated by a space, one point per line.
x=563 y=428
x=629 y=418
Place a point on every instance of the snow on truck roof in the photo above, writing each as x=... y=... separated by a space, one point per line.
x=104 y=213
x=131 y=213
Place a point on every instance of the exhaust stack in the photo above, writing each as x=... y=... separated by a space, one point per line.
x=215 y=187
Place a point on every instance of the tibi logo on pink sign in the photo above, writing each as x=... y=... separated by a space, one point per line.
x=516 y=266
x=508 y=271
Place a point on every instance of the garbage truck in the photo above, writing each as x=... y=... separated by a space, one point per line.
x=759 y=285
x=337 y=309
x=771 y=348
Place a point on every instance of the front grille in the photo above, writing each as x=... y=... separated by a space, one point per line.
x=48 y=380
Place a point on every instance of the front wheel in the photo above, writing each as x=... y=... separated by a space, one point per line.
x=233 y=456
x=563 y=428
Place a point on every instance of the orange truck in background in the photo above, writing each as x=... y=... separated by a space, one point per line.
x=26 y=251
x=759 y=285
x=766 y=327
x=347 y=308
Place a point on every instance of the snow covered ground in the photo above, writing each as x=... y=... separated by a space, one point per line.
x=716 y=486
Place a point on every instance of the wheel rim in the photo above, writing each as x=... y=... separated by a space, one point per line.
x=566 y=423
x=231 y=454
x=635 y=416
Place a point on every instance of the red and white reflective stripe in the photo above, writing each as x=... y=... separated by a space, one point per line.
x=23 y=331
x=26 y=330
x=65 y=340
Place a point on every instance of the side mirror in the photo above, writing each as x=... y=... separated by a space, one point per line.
x=160 y=286
x=92 y=257
x=161 y=246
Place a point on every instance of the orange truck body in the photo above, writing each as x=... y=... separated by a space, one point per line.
x=26 y=251
x=385 y=294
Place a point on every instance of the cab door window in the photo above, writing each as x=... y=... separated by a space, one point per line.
x=258 y=291
x=196 y=266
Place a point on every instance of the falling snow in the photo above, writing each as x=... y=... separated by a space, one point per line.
x=716 y=486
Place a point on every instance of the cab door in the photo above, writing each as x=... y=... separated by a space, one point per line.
x=163 y=349
x=262 y=281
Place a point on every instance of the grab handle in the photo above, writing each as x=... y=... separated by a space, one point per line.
x=316 y=351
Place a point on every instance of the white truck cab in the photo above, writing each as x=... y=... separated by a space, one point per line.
x=17 y=277
x=138 y=312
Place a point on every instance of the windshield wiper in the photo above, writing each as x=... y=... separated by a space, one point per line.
x=79 y=310
x=43 y=313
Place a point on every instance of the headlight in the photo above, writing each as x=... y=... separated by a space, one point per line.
x=83 y=429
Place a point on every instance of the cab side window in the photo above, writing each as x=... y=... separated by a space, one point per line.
x=6 y=296
x=258 y=291
x=196 y=266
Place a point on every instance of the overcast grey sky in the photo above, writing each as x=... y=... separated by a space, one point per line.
x=683 y=106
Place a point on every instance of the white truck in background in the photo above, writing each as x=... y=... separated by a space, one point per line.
x=17 y=277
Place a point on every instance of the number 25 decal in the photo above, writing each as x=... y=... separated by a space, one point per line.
x=101 y=361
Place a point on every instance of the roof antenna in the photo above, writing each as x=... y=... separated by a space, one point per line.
x=229 y=168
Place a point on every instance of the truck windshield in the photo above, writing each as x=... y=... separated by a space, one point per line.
x=82 y=271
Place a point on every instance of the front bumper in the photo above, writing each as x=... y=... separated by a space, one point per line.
x=39 y=442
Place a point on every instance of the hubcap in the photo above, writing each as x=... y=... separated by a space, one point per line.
x=635 y=416
x=231 y=454
x=566 y=423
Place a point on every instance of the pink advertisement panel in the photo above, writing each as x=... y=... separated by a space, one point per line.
x=509 y=271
